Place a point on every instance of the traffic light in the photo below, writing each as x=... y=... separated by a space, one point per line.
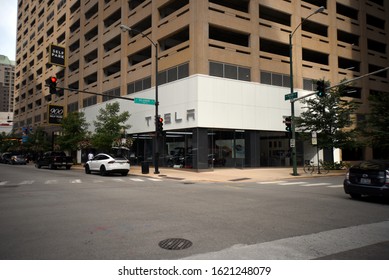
x=53 y=85
x=320 y=88
x=160 y=125
x=288 y=124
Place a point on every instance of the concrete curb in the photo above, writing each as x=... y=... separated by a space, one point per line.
x=230 y=175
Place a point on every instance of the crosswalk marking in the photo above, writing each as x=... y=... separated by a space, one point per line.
x=271 y=182
x=317 y=184
x=76 y=181
x=118 y=180
x=136 y=180
x=300 y=183
x=50 y=182
x=291 y=183
x=335 y=186
x=155 y=180
x=27 y=182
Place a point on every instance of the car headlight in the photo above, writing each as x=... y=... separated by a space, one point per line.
x=347 y=175
x=387 y=177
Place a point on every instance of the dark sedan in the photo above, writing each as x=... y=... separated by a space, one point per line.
x=368 y=178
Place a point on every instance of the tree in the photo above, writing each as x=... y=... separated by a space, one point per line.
x=37 y=141
x=74 y=131
x=109 y=126
x=375 y=127
x=330 y=117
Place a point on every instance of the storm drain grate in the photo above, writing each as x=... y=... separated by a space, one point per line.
x=175 y=244
x=239 y=179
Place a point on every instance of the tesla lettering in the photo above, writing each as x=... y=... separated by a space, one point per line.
x=190 y=114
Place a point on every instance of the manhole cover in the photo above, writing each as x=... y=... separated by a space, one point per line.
x=175 y=244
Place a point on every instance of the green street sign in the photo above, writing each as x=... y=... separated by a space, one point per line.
x=144 y=101
x=291 y=95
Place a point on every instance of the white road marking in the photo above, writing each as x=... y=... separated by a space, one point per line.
x=155 y=180
x=76 y=181
x=305 y=247
x=3 y=183
x=272 y=182
x=49 y=182
x=27 y=182
x=316 y=184
x=136 y=180
x=292 y=183
x=118 y=180
x=335 y=186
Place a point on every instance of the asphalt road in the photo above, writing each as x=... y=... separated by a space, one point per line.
x=67 y=214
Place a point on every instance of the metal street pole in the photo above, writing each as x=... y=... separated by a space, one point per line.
x=156 y=148
x=293 y=128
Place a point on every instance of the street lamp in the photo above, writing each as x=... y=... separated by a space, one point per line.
x=125 y=28
x=293 y=140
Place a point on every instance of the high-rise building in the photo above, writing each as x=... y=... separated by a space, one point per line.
x=223 y=69
x=7 y=72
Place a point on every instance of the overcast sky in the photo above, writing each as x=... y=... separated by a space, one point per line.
x=8 y=19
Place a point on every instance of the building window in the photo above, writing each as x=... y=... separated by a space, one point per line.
x=229 y=71
x=173 y=74
x=89 y=101
x=73 y=107
x=112 y=93
x=139 y=85
x=275 y=79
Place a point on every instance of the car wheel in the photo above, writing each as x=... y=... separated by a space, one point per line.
x=51 y=166
x=38 y=166
x=68 y=167
x=124 y=173
x=103 y=172
x=355 y=195
x=87 y=169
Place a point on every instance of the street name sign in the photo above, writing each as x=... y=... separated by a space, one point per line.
x=144 y=101
x=291 y=95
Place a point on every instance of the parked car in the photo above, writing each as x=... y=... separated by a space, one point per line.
x=11 y=158
x=18 y=159
x=107 y=164
x=5 y=157
x=368 y=178
x=54 y=159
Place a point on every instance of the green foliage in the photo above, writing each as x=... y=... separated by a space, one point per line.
x=37 y=141
x=109 y=126
x=375 y=127
x=8 y=142
x=74 y=131
x=330 y=117
x=334 y=165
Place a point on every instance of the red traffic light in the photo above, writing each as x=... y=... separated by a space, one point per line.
x=53 y=85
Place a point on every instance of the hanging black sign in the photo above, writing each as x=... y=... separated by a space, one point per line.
x=57 y=55
x=56 y=114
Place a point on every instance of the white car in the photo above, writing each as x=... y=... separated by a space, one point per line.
x=106 y=164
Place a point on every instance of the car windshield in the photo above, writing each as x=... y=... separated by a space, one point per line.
x=58 y=154
x=373 y=165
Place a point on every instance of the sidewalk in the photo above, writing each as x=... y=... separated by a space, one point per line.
x=230 y=174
